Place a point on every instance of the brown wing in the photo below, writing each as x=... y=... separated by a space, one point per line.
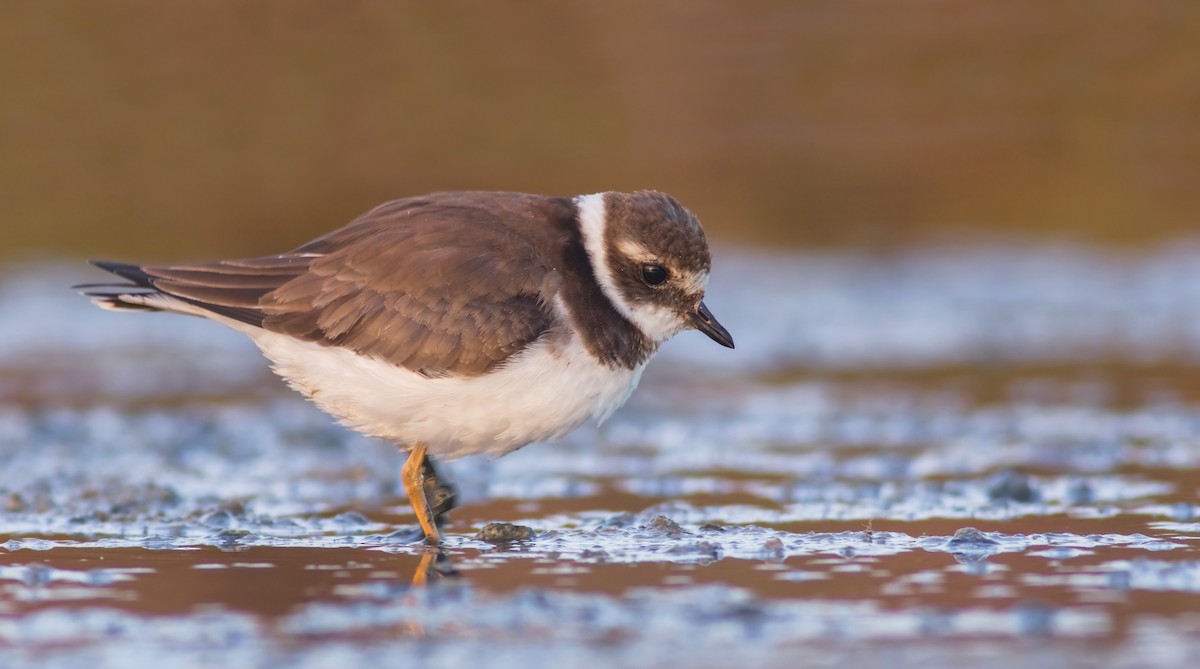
x=451 y=283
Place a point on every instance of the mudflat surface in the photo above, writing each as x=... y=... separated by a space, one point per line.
x=931 y=459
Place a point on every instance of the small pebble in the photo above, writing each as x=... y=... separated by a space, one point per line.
x=231 y=536
x=618 y=521
x=503 y=533
x=1012 y=486
x=665 y=526
x=969 y=537
x=1081 y=493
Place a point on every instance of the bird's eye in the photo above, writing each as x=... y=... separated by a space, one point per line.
x=653 y=273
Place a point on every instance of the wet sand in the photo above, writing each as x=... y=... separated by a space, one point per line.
x=934 y=458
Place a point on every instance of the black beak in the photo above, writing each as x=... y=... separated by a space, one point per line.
x=703 y=321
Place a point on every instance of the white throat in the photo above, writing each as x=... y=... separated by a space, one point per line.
x=657 y=323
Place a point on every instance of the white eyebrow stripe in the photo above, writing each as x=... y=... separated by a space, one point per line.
x=632 y=249
x=691 y=280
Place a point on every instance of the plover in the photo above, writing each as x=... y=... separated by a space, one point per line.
x=458 y=323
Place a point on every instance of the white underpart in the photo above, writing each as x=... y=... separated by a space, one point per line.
x=542 y=393
x=656 y=322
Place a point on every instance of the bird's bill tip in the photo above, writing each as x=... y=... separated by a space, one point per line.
x=704 y=321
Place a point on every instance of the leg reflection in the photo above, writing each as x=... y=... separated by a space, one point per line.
x=435 y=565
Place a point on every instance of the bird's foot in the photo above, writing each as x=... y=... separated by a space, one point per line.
x=406 y=535
x=441 y=495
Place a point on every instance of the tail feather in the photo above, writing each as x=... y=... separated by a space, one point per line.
x=115 y=302
x=229 y=289
x=130 y=296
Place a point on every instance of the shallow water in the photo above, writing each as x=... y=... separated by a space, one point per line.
x=953 y=456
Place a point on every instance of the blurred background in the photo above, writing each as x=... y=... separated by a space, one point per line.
x=173 y=129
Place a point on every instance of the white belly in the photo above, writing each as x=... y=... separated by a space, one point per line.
x=546 y=392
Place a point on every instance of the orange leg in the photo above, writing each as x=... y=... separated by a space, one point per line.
x=413 y=477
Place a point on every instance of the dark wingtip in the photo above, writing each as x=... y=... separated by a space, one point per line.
x=126 y=271
x=110 y=265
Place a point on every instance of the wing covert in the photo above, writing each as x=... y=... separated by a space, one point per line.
x=444 y=288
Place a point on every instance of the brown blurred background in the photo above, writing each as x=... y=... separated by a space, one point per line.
x=167 y=129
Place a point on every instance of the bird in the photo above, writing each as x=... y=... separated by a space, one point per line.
x=457 y=323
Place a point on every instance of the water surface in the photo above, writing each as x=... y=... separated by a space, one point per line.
x=933 y=458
